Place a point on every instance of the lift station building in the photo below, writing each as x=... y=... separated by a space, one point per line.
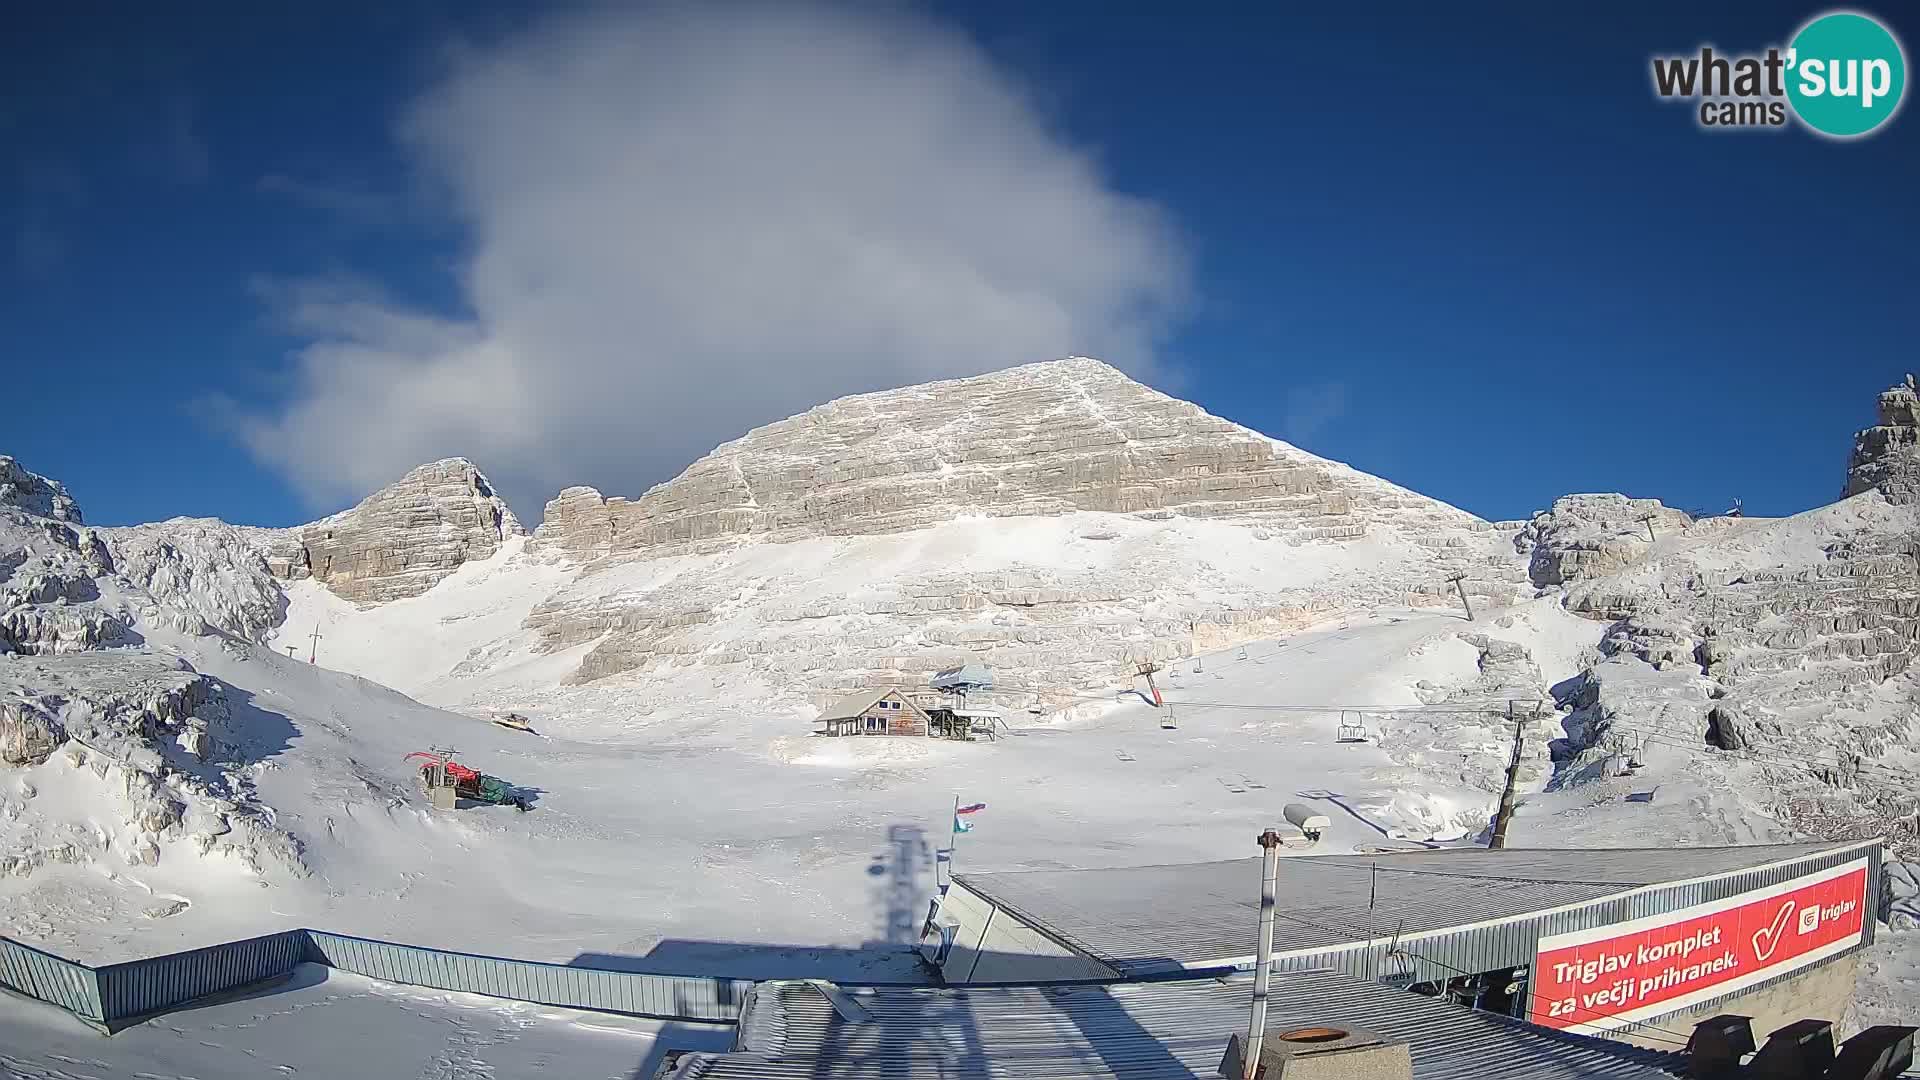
x=1633 y=943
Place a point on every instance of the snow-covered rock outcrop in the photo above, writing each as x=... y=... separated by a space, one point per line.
x=402 y=540
x=1887 y=455
x=51 y=600
x=81 y=690
x=34 y=494
x=1588 y=536
x=1785 y=643
x=205 y=566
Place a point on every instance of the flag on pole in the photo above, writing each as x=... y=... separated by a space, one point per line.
x=960 y=822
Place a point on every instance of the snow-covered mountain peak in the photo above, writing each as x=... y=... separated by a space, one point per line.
x=34 y=494
x=402 y=540
x=1065 y=436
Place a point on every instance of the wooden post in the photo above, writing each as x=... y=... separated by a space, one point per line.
x=1505 y=814
x=1459 y=579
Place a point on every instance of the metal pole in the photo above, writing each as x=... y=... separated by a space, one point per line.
x=1459 y=585
x=1257 y=1026
x=1505 y=813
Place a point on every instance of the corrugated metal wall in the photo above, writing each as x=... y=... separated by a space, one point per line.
x=42 y=975
x=157 y=983
x=120 y=992
x=666 y=996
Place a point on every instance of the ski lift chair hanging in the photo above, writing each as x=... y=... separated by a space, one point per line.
x=1353 y=728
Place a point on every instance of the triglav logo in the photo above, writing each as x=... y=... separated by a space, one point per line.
x=1843 y=75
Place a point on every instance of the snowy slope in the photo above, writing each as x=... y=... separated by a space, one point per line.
x=672 y=651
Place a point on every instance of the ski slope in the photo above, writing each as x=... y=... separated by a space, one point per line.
x=655 y=836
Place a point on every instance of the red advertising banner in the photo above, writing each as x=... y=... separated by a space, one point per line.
x=1609 y=976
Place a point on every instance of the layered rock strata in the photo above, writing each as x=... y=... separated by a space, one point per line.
x=1043 y=439
x=403 y=539
x=1887 y=455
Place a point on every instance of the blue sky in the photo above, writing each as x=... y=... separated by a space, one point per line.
x=1464 y=249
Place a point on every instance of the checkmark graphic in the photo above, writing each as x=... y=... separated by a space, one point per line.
x=1767 y=938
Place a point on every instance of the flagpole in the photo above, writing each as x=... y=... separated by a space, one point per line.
x=953 y=845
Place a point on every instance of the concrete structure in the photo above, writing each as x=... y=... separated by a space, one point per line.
x=1632 y=942
x=1141 y=1031
x=872 y=712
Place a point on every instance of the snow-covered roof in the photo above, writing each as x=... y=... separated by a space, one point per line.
x=1143 y=1031
x=855 y=704
x=1147 y=919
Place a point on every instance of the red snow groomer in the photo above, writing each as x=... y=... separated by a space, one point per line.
x=446 y=781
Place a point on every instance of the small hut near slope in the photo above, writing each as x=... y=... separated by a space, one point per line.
x=872 y=712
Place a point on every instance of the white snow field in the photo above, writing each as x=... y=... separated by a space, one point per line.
x=702 y=823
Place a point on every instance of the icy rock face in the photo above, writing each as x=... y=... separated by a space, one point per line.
x=1887 y=455
x=1779 y=642
x=51 y=599
x=1041 y=439
x=34 y=494
x=401 y=540
x=1588 y=536
x=1040 y=442
x=216 y=571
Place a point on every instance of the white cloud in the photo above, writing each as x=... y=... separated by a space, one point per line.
x=688 y=220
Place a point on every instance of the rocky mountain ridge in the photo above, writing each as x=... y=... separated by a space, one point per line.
x=1133 y=469
x=1037 y=440
x=1130 y=477
x=83 y=690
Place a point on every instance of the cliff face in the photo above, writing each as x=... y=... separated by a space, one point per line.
x=1038 y=440
x=401 y=540
x=1050 y=520
x=1887 y=455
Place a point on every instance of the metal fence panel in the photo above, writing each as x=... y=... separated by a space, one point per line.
x=139 y=987
x=42 y=975
x=666 y=996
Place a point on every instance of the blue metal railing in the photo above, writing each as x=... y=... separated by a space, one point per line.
x=115 y=994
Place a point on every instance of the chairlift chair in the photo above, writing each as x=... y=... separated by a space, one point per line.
x=1353 y=728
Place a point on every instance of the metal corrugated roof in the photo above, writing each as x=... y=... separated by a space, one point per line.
x=1143 y=1031
x=1151 y=918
